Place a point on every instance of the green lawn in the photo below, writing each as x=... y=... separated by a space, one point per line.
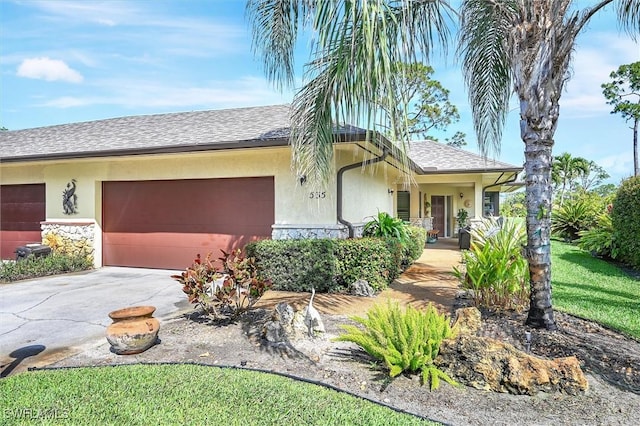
x=594 y=289
x=180 y=394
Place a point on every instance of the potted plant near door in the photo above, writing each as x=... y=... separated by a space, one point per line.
x=464 y=237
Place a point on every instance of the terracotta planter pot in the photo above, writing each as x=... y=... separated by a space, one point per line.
x=133 y=330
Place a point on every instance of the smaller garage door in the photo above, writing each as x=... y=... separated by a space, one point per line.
x=22 y=208
x=164 y=224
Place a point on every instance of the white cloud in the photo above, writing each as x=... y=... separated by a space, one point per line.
x=48 y=69
x=596 y=56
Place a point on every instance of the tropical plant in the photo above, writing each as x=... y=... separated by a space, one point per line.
x=524 y=47
x=626 y=221
x=405 y=340
x=575 y=216
x=461 y=218
x=357 y=50
x=518 y=45
x=385 y=226
x=592 y=176
x=565 y=172
x=232 y=290
x=621 y=93
x=495 y=269
x=599 y=239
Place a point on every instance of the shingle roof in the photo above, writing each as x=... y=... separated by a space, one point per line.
x=203 y=130
x=185 y=131
x=436 y=158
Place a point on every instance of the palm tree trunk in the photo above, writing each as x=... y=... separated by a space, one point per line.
x=538 y=138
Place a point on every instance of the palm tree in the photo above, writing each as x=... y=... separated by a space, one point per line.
x=506 y=45
x=565 y=170
x=357 y=51
x=524 y=47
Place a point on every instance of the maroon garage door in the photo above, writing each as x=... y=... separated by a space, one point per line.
x=164 y=224
x=22 y=208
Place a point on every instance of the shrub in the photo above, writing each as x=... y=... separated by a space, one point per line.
x=574 y=216
x=234 y=290
x=385 y=226
x=625 y=218
x=33 y=267
x=599 y=239
x=414 y=246
x=297 y=265
x=495 y=269
x=370 y=259
x=405 y=340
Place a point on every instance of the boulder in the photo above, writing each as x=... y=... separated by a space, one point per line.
x=362 y=288
x=490 y=364
x=468 y=320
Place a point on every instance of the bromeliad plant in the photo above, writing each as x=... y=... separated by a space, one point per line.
x=386 y=226
x=233 y=290
x=495 y=268
x=405 y=340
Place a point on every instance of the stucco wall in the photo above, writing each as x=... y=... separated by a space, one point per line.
x=365 y=190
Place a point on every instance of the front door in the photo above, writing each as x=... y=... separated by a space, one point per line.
x=438 y=212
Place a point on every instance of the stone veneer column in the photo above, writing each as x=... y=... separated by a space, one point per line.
x=76 y=238
x=297 y=232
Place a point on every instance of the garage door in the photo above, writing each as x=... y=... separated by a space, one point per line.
x=164 y=224
x=22 y=208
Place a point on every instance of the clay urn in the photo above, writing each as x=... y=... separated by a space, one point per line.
x=133 y=330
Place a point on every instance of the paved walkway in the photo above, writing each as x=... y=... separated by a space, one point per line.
x=428 y=280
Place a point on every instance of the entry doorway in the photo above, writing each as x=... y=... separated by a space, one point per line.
x=441 y=207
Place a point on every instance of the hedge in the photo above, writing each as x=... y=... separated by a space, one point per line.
x=625 y=218
x=331 y=265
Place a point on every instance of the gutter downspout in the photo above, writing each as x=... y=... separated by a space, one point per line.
x=369 y=162
x=497 y=183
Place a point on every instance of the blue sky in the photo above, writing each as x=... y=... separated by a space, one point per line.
x=69 y=61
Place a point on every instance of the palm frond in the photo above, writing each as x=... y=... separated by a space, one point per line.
x=629 y=17
x=486 y=66
x=274 y=25
x=356 y=51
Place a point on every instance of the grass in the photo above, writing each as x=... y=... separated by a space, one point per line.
x=593 y=289
x=180 y=394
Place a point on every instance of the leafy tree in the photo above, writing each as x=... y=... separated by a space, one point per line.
x=422 y=100
x=519 y=46
x=457 y=140
x=565 y=170
x=3 y=129
x=624 y=94
x=514 y=205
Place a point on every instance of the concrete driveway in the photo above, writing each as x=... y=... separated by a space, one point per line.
x=45 y=319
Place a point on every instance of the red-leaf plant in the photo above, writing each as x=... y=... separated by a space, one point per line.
x=233 y=290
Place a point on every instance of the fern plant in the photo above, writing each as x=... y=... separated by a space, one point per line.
x=405 y=340
x=599 y=239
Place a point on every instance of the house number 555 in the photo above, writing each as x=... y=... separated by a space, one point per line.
x=317 y=194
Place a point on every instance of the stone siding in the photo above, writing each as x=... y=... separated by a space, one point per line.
x=77 y=238
x=297 y=232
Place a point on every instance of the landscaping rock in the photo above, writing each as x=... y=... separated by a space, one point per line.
x=362 y=288
x=489 y=364
x=286 y=325
x=468 y=320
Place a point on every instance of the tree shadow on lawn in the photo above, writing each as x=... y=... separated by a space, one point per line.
x=589 y=288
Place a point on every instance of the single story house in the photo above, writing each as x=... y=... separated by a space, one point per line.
x=153 y=191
